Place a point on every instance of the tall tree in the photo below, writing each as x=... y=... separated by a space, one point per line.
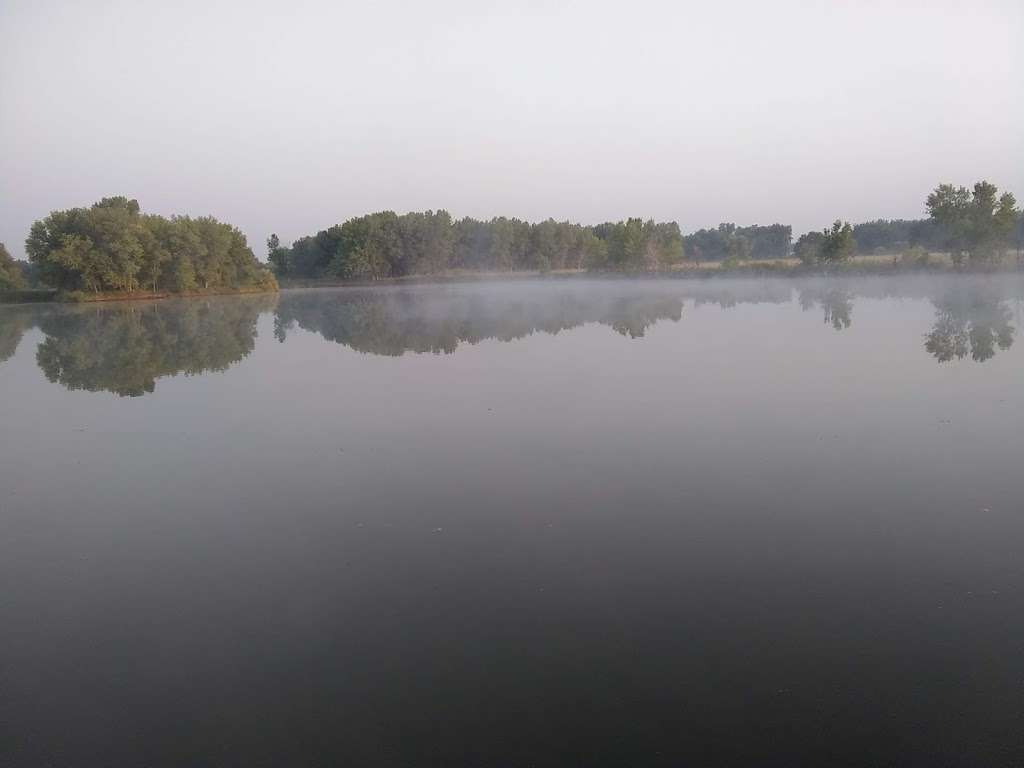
x=838 y=243
x=978 y=223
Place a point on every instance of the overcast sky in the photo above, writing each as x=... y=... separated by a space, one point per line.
x=292 y=116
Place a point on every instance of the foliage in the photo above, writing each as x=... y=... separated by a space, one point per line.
x=979 y=223
x=838 y=244
x=11 y=277
x=386 y=244
x=897 y=235
x=636 y=245
x=762 y=242
x=112 y=247
x=808 y=247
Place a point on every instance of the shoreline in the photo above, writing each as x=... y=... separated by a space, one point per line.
x=881 y=266
x=53 y=296
x=868 y=265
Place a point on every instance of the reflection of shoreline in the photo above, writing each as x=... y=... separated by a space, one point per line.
x=393 y=323
x=125 y=348
x=14 y=323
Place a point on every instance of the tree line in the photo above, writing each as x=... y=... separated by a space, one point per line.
x=727 y=241
x=113 y=247
x=387 y=244
x=973 y=225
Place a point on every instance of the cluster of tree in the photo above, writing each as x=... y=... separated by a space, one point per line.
x=728 y=241
x=112 y=247
x=11 y=277
x=978 y=223
x=387 y=244
x=124 y=349
x=898 y=235
x=831 y=246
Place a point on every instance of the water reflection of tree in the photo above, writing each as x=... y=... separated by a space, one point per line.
x=974 y=322
x=13 y=324
x=836 y=303
x=396 y=322
x=125 y=348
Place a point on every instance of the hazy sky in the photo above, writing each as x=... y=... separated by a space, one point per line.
x=291 y=116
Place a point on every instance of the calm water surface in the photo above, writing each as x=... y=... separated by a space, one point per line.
x=537 y=523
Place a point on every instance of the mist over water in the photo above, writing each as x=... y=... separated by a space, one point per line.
x=540 y=522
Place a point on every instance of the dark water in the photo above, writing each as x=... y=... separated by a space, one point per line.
x=556 y=523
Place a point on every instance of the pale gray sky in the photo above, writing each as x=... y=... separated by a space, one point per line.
x=291 y=116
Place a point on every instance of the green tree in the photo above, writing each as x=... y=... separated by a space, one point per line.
x=838 y=243
x=808 y=247
x=278 y=256
x=978 y=223
x=111 y=246
x=11 y=278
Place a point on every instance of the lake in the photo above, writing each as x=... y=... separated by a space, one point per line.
x=557 y=522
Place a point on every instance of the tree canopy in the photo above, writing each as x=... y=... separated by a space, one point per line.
x=831 y=246
x=898 y=235
x=386 y=244
x=979 y=222
x=729 y=241
x=112 y=246
x=11 y=278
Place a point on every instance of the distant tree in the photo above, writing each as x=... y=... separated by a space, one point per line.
x=808 y=247
x=838 y=243
x=765 y=242
x=111 y=246
x=738 y=248
x=278 y=257
x=11 y=278
x=768 y=242
x=979 y=223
